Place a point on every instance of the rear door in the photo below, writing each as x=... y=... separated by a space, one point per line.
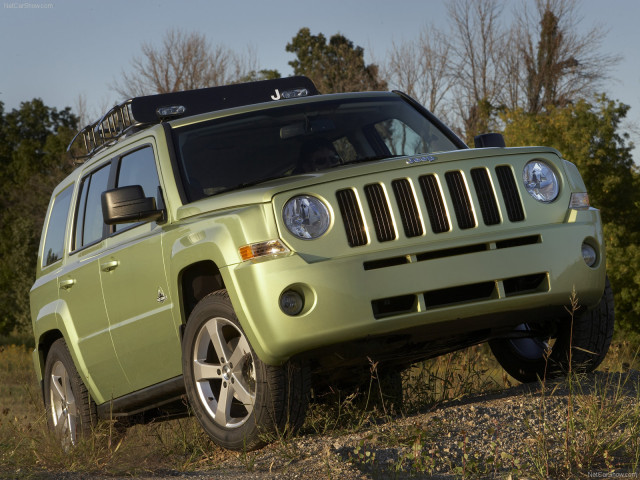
x=79 y=284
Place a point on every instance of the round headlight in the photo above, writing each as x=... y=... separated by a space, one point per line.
x=306 y=217
x=540 y=181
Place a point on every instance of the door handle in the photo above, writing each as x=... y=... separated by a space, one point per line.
x=67 y=284
x=109 y=266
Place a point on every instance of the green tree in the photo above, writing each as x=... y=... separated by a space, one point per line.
x=334 y=66
x=32 y=163
x=588 y=134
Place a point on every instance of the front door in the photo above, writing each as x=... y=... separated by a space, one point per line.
x=135 y=289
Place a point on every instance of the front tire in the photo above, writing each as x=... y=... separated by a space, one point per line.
x=240 y=401
x=580 y=347
x=70 y=411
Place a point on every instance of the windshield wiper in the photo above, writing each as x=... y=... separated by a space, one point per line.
x=240 y=186
x=374 y=158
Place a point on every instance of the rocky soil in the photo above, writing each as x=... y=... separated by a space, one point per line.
x=503 y=435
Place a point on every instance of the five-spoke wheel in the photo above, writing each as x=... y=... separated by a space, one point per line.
x=224 y=372
x=70 y=410
x=64 y=414
x=239 y=400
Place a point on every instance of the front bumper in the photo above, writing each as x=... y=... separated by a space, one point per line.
x=438 y=287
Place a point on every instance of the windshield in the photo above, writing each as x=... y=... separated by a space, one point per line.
x=234 y=152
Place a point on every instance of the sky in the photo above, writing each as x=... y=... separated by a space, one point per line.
x=59 y=50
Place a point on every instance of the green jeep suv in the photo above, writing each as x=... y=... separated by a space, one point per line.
x=239 y=245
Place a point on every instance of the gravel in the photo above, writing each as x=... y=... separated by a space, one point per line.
x=484 y=436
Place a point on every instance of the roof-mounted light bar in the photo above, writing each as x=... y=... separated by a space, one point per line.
x=170 y=111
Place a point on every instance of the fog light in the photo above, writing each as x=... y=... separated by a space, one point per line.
x=291 y=302
x=589 y=254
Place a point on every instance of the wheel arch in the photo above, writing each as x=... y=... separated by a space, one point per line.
x=44 y=344
x=42 y=347
x=55 y=322
x=195 y=282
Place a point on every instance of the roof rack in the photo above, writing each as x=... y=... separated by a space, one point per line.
x=114 y=124
x=141 y=112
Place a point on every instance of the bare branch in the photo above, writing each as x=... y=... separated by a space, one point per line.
x=559 y=65
x=422 y=69
x=184 y=61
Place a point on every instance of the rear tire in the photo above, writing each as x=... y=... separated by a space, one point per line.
x=579 y=349
x=240 y=401
x=70 y=411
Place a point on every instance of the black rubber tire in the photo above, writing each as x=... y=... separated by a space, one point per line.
x=579 y=348
x=281 y=392
x=60 y=375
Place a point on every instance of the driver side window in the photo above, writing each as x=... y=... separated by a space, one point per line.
x=138 y=168
x=400 y=138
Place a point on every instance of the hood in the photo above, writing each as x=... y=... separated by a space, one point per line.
x=264 y=192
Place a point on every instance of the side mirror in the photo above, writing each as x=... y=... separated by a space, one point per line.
x=489 y=140
x=127 y=205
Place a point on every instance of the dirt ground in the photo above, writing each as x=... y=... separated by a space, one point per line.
x=484 y=436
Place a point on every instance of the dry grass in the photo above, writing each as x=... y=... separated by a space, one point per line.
x=27 y=447
x=602 y=424
x=453 y=376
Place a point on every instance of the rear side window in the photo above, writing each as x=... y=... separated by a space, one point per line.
x=89 y=223
x=54 y=240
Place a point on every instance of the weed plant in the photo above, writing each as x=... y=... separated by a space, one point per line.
x=599 y=429
x=601 y=423
x=27 y=447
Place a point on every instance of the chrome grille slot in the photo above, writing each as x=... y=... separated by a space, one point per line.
x=408 y=208
x=435 y=205
x=460 y=197
x=510 y=193
x=352 y=218
x=379 y=207
x=486 y=197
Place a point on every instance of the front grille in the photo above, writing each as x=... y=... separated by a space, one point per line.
x=382 y=220
x=435 y=205
x=510 y=193
x=460 y=198
x=409 y=213
x=488 y=205
x=353 y=222
x=448 y=203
